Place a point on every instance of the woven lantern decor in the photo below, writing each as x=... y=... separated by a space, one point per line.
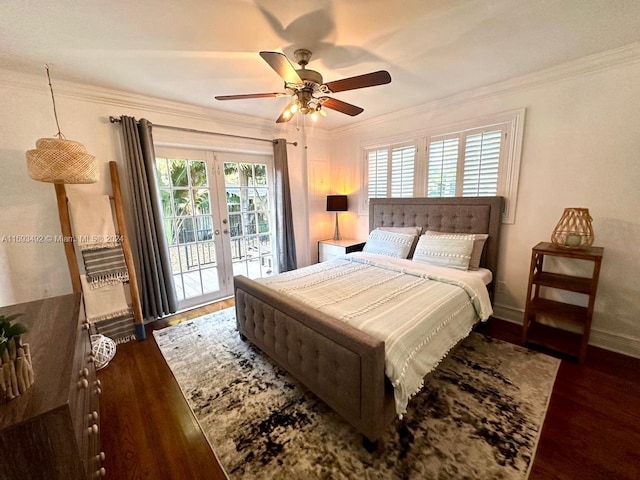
x=57 y=160
x=573 y=229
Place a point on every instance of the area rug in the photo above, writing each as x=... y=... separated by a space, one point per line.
x=478 y=416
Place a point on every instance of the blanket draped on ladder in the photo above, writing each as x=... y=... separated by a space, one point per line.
x=105 y=300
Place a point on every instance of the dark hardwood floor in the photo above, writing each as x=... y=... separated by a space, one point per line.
x=591 y=431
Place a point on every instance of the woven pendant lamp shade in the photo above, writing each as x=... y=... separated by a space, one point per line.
x=61 y=161
x=58 y=160
x=573 y=229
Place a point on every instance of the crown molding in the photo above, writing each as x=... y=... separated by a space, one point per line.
x=591 y=64
x=588 y=65
x=128 y=100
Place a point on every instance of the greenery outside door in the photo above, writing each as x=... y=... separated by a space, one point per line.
x=218 y=215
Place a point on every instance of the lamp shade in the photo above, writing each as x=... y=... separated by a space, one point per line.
x=337 y=203
x=61 y=161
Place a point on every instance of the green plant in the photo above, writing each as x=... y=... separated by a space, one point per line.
x=10 y=333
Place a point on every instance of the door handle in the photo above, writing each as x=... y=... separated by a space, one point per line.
x=217 y=232
x=225 y=231
x=225 y=221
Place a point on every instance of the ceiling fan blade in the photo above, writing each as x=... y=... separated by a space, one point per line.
x=361 y=81
x=286 y=114
x=250 y=95
x=281 y=64
x=342 y=107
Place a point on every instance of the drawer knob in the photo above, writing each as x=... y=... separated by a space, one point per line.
x=93 y=415
x=100 y=473
x=100 y=457
x=84 y=383
x=84 y=372
x=86 y=326
x=98 y=390
x=93 y=428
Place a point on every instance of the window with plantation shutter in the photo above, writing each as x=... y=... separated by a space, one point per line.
x=474 y=158
x=378 y=161
x=481 y=164
x=467 y=163
x=391 y=171
x=443 y=168
x=402 y=171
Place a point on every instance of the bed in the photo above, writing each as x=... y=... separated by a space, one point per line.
x=342 y=364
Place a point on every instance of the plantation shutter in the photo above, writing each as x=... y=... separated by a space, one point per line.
x=466 y=164
x=378 y=169
x=473 y=158
x=402 y=171
x=481 y=162
x=443 y=167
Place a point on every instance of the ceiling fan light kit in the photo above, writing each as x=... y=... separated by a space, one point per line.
x=307 y=88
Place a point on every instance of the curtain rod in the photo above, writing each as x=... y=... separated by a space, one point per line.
x=113 y=119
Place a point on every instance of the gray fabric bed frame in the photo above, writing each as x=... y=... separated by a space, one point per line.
x=342 y=365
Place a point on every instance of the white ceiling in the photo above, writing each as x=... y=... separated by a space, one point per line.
x=192 y=50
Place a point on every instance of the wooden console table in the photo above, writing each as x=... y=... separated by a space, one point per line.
x=534 y=332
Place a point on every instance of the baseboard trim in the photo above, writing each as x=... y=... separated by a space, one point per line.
x=614 y=342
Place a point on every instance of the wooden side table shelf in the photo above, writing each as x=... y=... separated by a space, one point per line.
x=330 y=249
x=574 y=344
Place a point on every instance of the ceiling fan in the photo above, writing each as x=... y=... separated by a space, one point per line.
x=307 y=88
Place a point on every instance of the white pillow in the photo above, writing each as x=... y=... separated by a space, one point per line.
x=478 y=246
x=453 y=251
x=391 y=244
x=416 y=231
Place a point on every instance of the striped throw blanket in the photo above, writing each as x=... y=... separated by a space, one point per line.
x=105 y=266
x=420 y=311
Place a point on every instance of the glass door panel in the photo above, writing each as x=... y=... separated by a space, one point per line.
x=218 y=219
x=247 y=190
x=189 y=222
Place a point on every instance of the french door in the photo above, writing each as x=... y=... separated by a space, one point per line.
x=218 y=214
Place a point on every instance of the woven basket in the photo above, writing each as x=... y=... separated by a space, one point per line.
x=573 y=229
x=61 y=161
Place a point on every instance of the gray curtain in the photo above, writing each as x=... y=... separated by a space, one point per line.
x=157 y=292
x=284 y=216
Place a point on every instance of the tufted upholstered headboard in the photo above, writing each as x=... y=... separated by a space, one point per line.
x=457 y=214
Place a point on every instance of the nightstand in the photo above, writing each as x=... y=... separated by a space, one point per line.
x=574 y=344
x=330 y=249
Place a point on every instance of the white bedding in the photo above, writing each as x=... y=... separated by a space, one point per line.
x=420 y=311
x=484 y=273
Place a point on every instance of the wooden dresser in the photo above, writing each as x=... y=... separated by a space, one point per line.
x=52 y=430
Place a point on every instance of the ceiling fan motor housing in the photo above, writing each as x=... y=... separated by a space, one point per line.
x=302 y=57
x=310 y=76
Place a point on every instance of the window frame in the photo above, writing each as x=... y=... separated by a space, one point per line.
x=510 y=155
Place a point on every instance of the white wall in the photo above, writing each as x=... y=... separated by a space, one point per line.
x=33 y=270
x=580 y=149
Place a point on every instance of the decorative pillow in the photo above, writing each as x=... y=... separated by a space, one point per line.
x=391 y=244
x=416 y=231
x=452 y=251
x=478 y=246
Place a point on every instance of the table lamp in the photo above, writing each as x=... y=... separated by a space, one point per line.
x=337 y=203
